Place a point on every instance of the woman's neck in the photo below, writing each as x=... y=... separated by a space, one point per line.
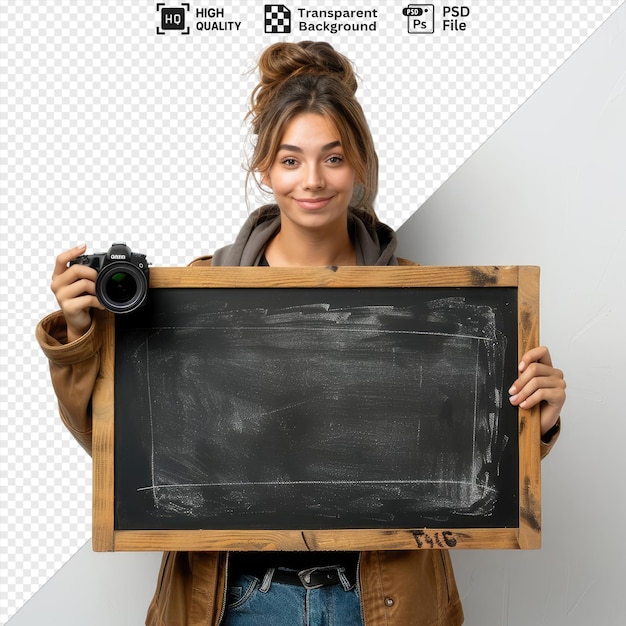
x=296 y=247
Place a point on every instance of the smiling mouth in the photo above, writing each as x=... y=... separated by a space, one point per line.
x=312 y=203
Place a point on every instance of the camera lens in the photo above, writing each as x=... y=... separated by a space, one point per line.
x=121 y=287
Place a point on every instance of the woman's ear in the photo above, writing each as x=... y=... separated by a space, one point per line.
x=265 y=179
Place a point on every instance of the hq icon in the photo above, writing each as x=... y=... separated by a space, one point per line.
x=172 y=18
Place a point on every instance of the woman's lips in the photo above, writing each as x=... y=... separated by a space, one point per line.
x=312 y=204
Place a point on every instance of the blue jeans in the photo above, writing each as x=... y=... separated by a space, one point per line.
x=254 y=602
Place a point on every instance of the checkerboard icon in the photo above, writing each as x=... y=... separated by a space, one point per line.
x=277 y=18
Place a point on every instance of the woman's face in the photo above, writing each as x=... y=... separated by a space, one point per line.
x=310 y=176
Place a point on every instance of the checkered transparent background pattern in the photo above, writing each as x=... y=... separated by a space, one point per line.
x=112 y=132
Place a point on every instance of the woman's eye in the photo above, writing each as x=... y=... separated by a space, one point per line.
x=289 y=162
x=335 y=160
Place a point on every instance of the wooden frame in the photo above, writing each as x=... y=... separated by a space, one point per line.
x=527 y=535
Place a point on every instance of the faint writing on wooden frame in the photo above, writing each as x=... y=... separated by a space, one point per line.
x=322 y=409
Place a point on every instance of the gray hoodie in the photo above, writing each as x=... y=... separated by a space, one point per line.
x=374 y=241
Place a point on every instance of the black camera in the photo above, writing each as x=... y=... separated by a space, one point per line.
x=122 y=283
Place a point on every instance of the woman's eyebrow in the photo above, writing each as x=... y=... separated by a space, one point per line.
x=328 y=146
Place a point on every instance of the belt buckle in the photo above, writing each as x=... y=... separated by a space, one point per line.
x=329 y=575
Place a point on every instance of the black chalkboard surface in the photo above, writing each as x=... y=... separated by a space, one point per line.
x=265 y=409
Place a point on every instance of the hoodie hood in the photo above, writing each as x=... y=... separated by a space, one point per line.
x=375 y=242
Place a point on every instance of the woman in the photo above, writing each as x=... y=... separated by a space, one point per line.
x=314 y=152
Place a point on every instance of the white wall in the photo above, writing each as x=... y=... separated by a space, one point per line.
x=95 y=589
x=549 y=189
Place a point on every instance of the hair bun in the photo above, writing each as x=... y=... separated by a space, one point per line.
x=282 y=61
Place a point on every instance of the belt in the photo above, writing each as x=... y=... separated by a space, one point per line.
x=313 y=578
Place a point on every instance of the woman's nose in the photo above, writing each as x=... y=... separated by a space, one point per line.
x=312 y=178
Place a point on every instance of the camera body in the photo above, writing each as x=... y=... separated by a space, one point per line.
x=122 y=283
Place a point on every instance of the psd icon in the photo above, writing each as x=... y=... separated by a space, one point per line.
x=277 y=18
x=173 y=18
x=420 y=18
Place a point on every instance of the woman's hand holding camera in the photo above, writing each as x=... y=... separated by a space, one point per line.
x=74 y=287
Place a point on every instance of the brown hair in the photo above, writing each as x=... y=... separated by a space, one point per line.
x=312 y=77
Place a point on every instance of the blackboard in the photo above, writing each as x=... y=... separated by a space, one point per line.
x=267 y=409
